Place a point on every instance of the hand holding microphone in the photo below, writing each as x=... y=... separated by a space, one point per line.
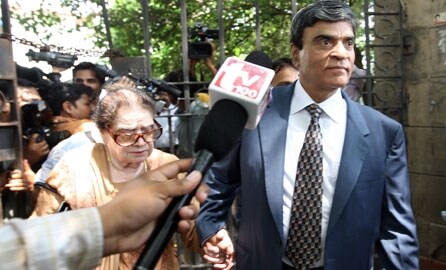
x=238 y=94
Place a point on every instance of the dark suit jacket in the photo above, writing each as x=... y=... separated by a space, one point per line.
x=371 y=203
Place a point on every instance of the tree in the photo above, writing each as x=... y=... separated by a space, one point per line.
x=126 y=25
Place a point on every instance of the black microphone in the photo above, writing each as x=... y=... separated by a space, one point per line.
x=218 y=134
x=163 y=86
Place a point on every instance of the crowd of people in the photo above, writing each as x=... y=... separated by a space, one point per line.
x=114 y=161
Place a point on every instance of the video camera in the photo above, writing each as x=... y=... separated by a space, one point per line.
x=33 y=122
x=199 y=47
x=53 y=58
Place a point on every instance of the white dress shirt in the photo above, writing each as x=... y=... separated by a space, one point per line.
x=332 y=122
x=165 y=140
x=68 y=240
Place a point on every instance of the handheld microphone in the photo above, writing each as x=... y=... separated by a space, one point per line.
x=246 y=83
x=221 y=129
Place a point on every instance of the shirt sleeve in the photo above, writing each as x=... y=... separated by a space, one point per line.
x=69 y=240
x=53 y=157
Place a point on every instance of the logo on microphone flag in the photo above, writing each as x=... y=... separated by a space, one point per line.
x=246 y=83
x=242 y=78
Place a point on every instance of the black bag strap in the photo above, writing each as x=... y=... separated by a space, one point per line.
x=64 y=206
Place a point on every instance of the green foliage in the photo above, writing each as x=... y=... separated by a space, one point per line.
x=126 y=25
x=38 y=21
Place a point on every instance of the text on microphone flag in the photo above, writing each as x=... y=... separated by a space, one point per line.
x=242 y=78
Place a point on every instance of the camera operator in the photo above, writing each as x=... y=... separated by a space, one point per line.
x=85 y=73
x=201 y=48
x=208 y=62
x=35 y=148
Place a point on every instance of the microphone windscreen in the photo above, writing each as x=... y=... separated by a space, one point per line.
x=221 y=128
x=259 y=58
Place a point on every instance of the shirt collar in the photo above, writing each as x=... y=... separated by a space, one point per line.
x=331 y=106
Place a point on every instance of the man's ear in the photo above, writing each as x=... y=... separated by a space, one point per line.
x=295 y=55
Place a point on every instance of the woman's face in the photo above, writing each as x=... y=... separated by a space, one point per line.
x=130 y=120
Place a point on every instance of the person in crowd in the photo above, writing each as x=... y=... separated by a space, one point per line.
x=125 y=119
x=355 y=86
x=188 y=127
x=16 y=188
x=286 y=72
x=91 y=75
x=35 y=147
x=322 y=181
x=88 y=74
x=90 y=134
x=71 y=106
x=208 y=62
x=192 y=117
x=78 y=239
x=168 y=142
x=87 y=136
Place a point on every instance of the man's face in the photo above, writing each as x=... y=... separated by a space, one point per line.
x=88 y=77
x=81 y=109
x=326 y=58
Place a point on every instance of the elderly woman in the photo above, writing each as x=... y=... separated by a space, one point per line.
x=91 y=175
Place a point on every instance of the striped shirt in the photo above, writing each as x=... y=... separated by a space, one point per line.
x=69 y=240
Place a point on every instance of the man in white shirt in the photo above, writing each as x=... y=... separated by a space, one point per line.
x=363 y=193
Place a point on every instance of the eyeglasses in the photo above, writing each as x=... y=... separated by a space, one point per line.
x=128 y=139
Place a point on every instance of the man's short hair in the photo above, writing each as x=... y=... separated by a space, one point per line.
x=61 y=92
x=100 y=75
x=321 y=10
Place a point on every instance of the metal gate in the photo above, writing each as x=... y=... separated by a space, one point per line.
x=384 y=49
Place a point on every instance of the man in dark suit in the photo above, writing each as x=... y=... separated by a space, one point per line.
x=364 y=204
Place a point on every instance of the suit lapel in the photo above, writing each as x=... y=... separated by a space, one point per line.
x=356 y=146
x=272 y=132
x=273 y=141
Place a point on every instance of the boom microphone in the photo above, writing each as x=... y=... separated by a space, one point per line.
x=160 y=84
x=164 y=86
x=218 y=134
